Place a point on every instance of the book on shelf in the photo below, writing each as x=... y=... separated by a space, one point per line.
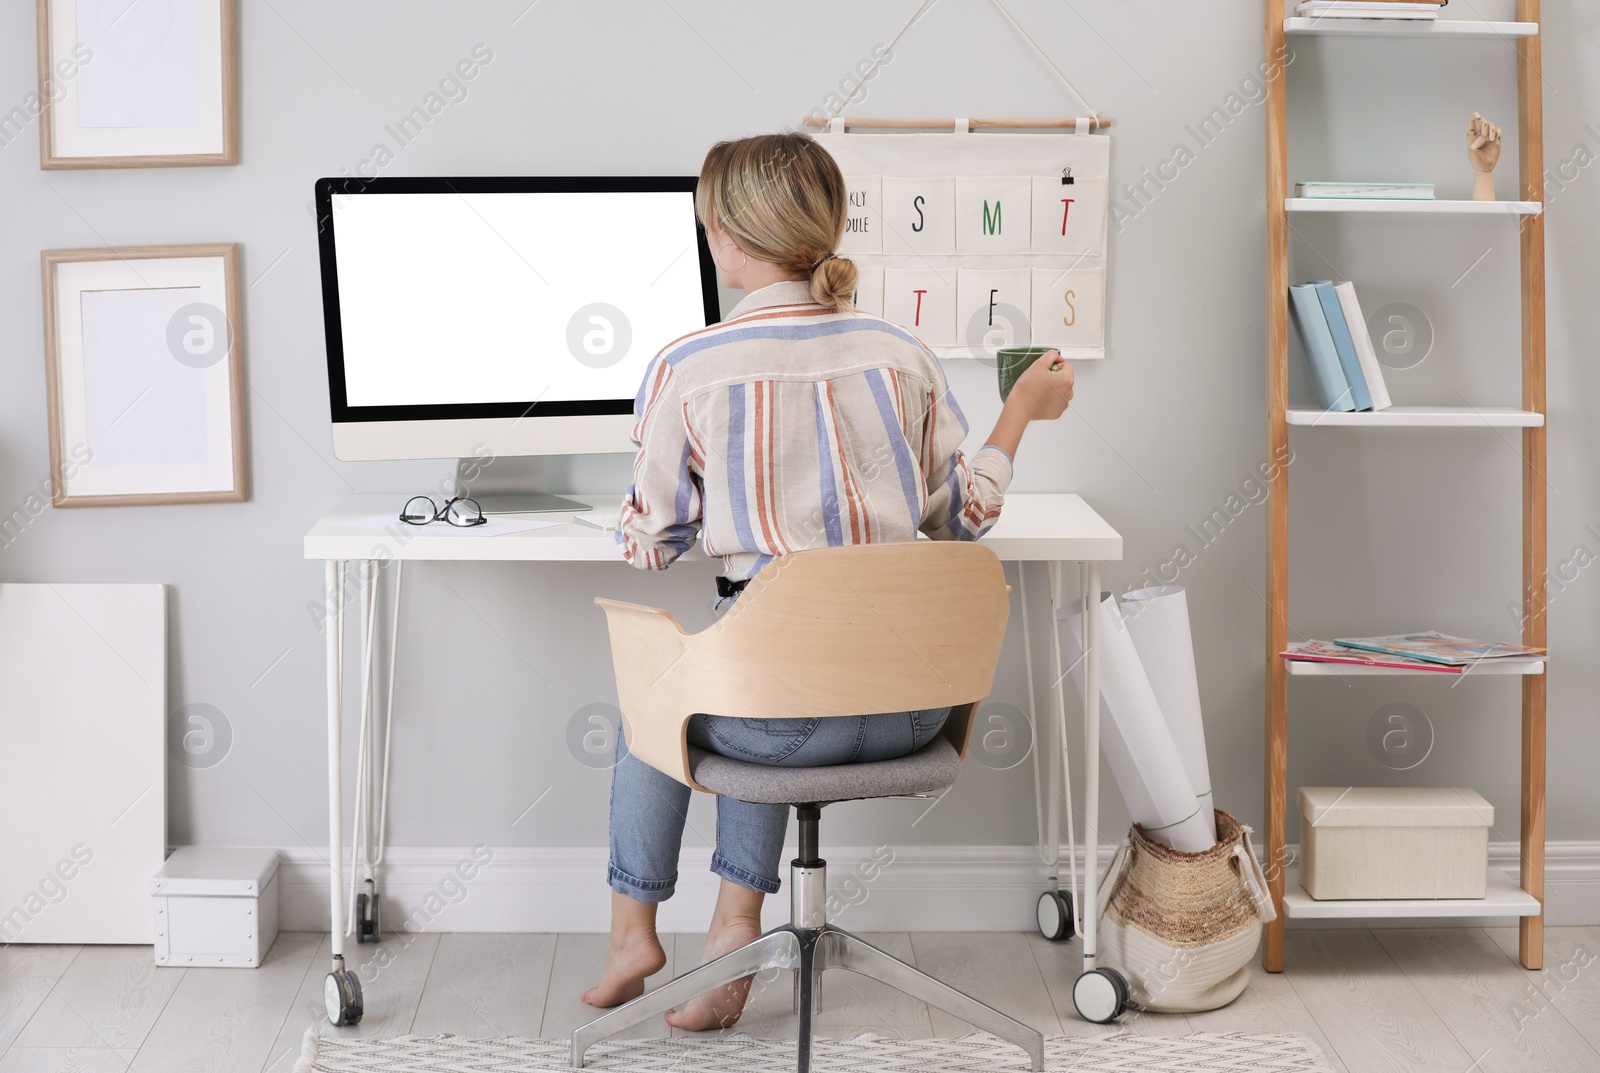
x=1366 y=353
x=1368 y=9
x=1327 y=375
x=1340 y=354
x=1375 y=191
x=1343 y=345
x=1441 y=648
x=1328 y=652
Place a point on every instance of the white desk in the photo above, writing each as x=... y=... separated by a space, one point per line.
x=1048 y=528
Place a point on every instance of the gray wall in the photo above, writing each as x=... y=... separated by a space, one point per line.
x=1393 y=530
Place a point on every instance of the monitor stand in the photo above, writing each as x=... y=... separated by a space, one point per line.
x=512 y=484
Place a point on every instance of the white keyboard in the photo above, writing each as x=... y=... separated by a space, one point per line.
x=600 y=519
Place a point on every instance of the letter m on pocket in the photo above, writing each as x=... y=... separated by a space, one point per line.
x=991 y=224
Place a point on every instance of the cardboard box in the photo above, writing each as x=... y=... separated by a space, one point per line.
x=1360 y=842
x=215 y=906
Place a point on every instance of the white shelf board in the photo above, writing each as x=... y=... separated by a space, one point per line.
x=1420 y=417
x=1410 y=27
x=1502 y=898
x=1306 y=668
x=1413 y=205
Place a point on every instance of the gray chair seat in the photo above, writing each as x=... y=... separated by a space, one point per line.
x=933 y=767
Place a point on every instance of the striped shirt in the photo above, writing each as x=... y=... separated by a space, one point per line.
x=789 y=426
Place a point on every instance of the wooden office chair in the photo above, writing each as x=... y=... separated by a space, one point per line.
x=828 y=632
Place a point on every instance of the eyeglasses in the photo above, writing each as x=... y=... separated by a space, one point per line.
x=420 y=510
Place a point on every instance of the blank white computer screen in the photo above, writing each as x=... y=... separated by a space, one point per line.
x=511 y=297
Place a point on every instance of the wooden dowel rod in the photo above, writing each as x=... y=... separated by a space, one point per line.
x=949 y=124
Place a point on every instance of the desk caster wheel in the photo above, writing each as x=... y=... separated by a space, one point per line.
x=1055 y=915
x=1101 y=996
x=341 y=998
x=367 y=918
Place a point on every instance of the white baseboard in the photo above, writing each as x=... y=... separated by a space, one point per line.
x=919 y=888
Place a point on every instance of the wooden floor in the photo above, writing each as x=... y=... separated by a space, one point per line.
x=1445 y=1001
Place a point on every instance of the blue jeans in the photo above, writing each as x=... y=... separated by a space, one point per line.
x=648 y=808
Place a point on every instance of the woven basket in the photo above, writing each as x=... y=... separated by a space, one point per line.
x=1183 y=927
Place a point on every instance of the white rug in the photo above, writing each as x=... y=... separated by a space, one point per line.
x=1199 y=1053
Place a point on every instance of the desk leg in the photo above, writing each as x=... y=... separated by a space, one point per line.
x=1041 y=796
x=335 y=640
x=1091 y=767
x=1060 y=770
x=341 y=994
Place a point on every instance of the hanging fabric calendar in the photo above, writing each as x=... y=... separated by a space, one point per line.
x=974 y=241
x=989 y=233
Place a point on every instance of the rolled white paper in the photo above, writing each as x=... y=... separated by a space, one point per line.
x=1158 y=621
x=1138 y=747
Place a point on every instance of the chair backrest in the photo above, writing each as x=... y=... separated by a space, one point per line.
x=824 y=632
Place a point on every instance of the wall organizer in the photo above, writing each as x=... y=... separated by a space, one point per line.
x=976 y=241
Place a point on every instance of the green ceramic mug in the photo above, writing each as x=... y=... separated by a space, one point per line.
x=1013 y=360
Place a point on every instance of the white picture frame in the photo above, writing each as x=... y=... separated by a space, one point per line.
x=137 y=83
x=144 y=375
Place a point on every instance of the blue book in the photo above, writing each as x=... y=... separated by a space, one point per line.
x=1343 y=344
x=1327 y=375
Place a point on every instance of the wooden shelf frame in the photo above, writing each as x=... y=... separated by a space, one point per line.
x=1417 y=417
x=1501 y=898
x=1299 y=668
x=1530 y=158
x=1436 y=28
x=1414 y=206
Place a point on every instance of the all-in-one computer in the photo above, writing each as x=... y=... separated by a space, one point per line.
x=509 y=318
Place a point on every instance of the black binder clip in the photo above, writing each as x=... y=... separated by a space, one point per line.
x=1066 y=176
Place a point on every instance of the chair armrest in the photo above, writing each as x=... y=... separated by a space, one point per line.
x=647 y=643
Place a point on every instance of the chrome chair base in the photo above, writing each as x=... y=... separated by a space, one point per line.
x=808 y=952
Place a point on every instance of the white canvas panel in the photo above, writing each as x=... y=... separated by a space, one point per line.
x=83 y=670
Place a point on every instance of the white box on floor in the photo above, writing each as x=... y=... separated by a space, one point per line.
x=216 y=906
x=1368 y=842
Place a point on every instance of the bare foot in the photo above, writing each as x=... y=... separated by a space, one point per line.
x=632 y=956
x=719 y=1008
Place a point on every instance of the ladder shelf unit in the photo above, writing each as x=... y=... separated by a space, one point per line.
x=1521 y=898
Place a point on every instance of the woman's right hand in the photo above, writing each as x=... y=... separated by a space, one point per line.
x=1044 y=389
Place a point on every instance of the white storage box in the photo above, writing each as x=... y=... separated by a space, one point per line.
x=216 y=906
x=1360 y=842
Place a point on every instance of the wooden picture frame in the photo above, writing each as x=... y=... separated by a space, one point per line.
x=135 y=333
x=152 y=84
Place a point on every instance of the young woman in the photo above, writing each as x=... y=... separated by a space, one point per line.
x=795 y=423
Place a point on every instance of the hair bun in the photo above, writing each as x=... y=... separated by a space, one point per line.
x=833 y=282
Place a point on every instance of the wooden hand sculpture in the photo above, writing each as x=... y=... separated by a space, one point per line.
x=1483 y=149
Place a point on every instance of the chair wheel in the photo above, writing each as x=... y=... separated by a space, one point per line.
x=1100 y=995
x=1055 y=916
x=367 y=918
x=341 y=998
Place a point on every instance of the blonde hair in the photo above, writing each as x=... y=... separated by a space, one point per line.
x=782 y=198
